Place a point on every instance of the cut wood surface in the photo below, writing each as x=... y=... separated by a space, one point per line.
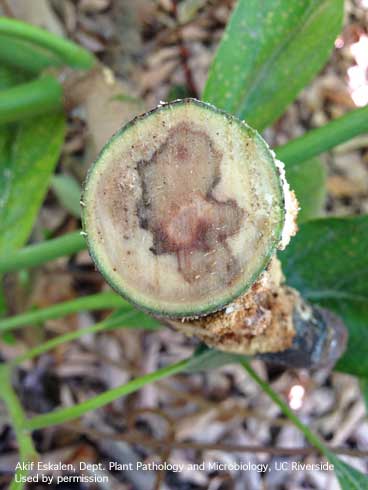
x=183 y=209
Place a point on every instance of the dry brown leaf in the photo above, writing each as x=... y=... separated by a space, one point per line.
x=93 y=5
x=159 y=74
x=109 y=104
x=37 y=12
x=340 y=186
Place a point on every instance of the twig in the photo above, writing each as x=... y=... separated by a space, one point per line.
x=137 y=438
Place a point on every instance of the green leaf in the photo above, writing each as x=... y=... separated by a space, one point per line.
x=63 y=415
x=327 y=262
x=319 y=140
x=349 y=478
x=138 y=319
x=2 y=301
x=205 y=358
x=9 y=77
x=308 y=180
x=125 y=317
x=68 y=191
x=25 y=55
x=42 y=252
x=27 y=451
x=269 y=52
x=35 y=97
x=28 y=153
x=68 y=52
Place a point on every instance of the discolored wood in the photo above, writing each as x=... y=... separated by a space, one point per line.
x=183 y=215
x=183 y=209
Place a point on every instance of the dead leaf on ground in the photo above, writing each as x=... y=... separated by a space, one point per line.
x=109 y=103
x=38 y=13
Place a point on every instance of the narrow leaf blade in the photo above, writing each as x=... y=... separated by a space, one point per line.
x=68 y=192
x=349 y=477
x=269 y=52
x=29 y=156
x=205 y=358
x=308 y=180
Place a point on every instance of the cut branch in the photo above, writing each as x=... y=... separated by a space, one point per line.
x=184 y=208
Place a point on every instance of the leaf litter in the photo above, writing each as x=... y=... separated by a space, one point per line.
x=142 y=42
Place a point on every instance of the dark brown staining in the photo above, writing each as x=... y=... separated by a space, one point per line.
x=179 y=209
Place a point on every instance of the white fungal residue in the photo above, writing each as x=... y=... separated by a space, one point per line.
x=358 y=74
x=291 y=207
